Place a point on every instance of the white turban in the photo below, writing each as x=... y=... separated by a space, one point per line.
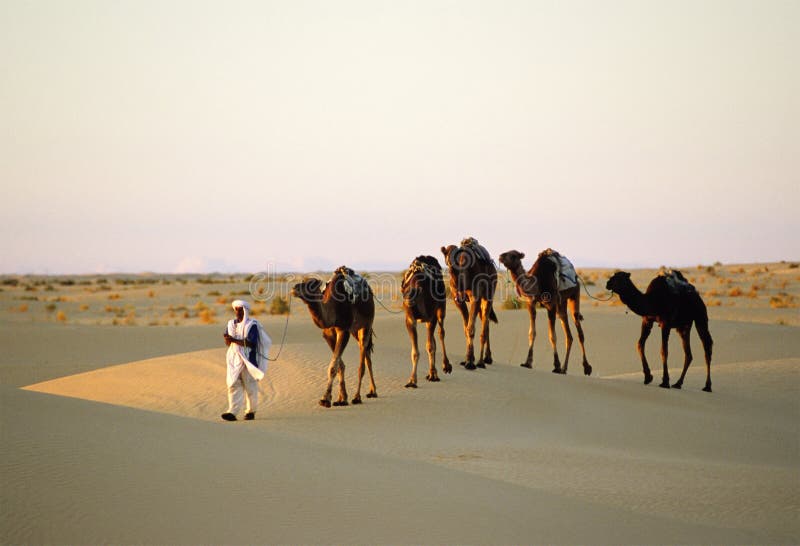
x=240 y=303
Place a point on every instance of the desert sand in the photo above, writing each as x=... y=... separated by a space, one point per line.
x=111 y=429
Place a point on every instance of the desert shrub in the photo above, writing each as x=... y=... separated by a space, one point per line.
x=10 y=282
x=735 y=292
x=794 y=266
x=782 y=301
x=207 y=316
x=713 y=303
x=512 y=303
x=222 y=300
x=214 y=293
x=279 y=306
x=61 y=316
x=200 y=306
x=151 y=294
x=114 y=296
x=712 y=293
x=50 y=307
x=84 y=307
x=23 y=308
x=66 y=282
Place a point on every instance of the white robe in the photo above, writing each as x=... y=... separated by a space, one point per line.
x=235 y=357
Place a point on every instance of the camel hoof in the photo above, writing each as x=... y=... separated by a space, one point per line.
x=447 y=368
x=340 y=403
x=432 y=379
x=664 y=384
x=556 y=370
x=463 y=364
x=587 y=370
x=469 y=365
x=707 y=388
x=677 y=386
x=356 y=400
x=527 y=365
x=648 y=379
x=325 y=403
x=488 y=360
x=481 y=365
x=411 y=385
x=372 y=395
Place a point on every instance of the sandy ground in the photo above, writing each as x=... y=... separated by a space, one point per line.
x=111 y=434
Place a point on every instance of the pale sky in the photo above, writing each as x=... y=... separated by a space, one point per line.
x=176 y=136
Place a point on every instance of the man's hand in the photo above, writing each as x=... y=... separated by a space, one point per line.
x=228 y=338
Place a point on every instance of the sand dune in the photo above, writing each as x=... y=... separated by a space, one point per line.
x=503 y=455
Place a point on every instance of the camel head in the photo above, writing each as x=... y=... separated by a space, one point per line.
x=458 y=261
x=310 y=290
x=512 y=259
x=619 y=281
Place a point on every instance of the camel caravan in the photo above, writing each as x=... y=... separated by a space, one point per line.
x=345 y=306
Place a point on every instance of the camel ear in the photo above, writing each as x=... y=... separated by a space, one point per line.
x=444 y=251
x=521 y=255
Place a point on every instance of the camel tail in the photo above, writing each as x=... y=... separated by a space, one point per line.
x=492 y=316
x=370 y=343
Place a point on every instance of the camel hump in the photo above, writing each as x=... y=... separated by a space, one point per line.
x=478 y=250
x=566 y=276
x=355 y=286
x=676 y=282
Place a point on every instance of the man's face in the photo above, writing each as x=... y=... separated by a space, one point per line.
x=239 y=313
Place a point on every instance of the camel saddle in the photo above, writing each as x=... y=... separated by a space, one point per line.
x=477 y=250
x=355 y=285
x=566 y=276
x=676 y=282
x=427 y=266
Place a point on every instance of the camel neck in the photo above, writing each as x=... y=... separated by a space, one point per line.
x=319 y=314
x=634 y=299
x=523 y=281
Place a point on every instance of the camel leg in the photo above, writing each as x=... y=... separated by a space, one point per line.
x=430 y=346
x=664 y=354
x=364 y=360
x=462 y=308
x=551 y=330
x=575 y=309
x=562 y=316
x=446 y=367
x=330 y=338
x=531 y=334
x=708 y=343
x=647 y=326
x=411 y=326
x=342 y=400
x=469 y=333
x=342 y=337
x=487 y=311
x=687 y=353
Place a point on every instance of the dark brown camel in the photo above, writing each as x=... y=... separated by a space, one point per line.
x=673 y=303
x=343 y=307
x=473 y=278
x=540 y=285
x=425 y=300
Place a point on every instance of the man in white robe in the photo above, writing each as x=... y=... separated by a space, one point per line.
x=248 y=345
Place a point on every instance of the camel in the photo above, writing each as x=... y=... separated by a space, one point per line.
x=341 y=308
x=541 y=285
x=672 y=302
x=473 y=278
x=424 y=300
